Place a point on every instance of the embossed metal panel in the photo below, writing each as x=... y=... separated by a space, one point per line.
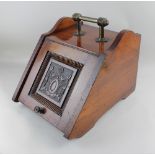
x=56 y=81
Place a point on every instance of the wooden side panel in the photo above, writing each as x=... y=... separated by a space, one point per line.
x=116 y=80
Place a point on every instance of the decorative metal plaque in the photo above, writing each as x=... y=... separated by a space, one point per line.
x=56 y=81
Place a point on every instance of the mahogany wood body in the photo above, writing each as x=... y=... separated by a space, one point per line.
x=116 y=65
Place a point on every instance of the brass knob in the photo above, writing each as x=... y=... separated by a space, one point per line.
x=39 y=110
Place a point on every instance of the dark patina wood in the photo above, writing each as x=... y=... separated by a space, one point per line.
x=104 y=73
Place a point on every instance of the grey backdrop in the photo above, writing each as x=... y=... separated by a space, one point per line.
x=127 y=128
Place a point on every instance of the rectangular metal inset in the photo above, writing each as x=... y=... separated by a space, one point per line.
x=56 y=81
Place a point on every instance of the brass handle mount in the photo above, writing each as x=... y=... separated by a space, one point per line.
x=101 y=22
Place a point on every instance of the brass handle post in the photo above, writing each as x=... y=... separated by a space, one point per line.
x=76 y=17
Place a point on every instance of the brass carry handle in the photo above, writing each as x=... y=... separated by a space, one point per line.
x=101 y=22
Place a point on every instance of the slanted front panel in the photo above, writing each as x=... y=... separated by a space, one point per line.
x=59 y=81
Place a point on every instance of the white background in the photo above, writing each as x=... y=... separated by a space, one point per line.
x=129 y=127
